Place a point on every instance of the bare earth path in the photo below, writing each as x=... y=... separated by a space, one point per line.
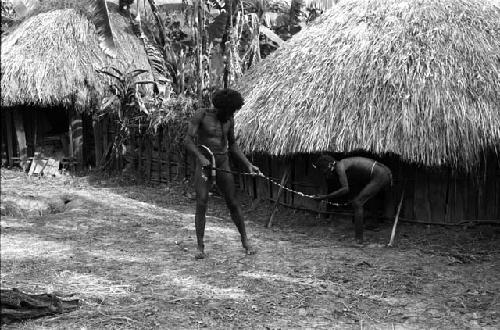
x=126 y=251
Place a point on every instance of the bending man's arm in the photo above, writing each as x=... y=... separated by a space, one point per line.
x=344 y=189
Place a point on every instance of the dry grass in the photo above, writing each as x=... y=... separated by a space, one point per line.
x=415 y=78
x=51 y=58
x=127 y=253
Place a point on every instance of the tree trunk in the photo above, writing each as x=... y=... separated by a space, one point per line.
x=17 y=306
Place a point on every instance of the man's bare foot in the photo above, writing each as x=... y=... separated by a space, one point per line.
x=200 y=255
x=250 y=250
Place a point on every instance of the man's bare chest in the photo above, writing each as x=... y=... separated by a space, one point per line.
x=212 y=127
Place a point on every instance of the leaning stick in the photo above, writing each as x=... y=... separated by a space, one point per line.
x=284 y=180
x=396 y=218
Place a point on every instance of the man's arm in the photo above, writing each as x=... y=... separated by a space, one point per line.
x=235 y=149
x=191 y=134
x=344 y=189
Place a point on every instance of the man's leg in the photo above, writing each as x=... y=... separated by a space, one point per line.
x=370 y=190
x=358 y=221
x=201 y=187
x=225 y=182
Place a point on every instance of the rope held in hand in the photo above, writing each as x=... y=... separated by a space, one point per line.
x=263 y=176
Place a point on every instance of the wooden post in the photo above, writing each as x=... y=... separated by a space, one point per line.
x=97 y=141
x=104 y=135
x=8 y=132
x=421 y=206
x=186 y=169
x=149 y=149
x=497 y=180
x=139 y=156
x=199 y=24
x=35 y=130
x=76 y=137
x=292 y=196
x=489 y=188
x=396 y=218
x=159 y=158
x=284 y=180
x=21 y=139
x=227 y=47
x=270 y=185
x=164 y=154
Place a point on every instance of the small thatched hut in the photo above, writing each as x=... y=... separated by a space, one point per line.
x=415 y=84
x=50 y=85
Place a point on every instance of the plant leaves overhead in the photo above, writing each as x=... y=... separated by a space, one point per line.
x=100 y=17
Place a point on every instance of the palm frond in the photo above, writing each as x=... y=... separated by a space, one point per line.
x=100 y=17
x=271 y=35
x=135 y=73
x=118 y=71
x=112 y=75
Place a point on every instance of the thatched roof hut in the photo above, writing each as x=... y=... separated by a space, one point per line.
x=50 y=59
x=417 y=78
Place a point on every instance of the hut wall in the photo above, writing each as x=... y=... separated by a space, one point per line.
x=49 y=131
x=438 y=196
x=150 y=157
x=7 y=138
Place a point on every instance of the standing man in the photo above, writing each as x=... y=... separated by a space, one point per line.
x=374 y=176
x=212 y=130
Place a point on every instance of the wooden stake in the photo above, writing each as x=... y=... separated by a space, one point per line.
x=8 y=132
x=21 y=139
x=393 y=233
x=76 y=137
x=97 y=142
x=140 y=162
x=159 y=135
x=284 y=180
x=198 y=19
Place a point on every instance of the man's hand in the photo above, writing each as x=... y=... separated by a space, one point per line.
x=252 y=169
x=203 y=161
x=319 y=197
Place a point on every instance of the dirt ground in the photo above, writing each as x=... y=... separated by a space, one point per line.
x=127 y=252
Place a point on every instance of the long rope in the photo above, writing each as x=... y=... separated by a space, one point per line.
x=263 y=176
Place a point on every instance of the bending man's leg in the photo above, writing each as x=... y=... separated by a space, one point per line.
x=225 y=182
x=370 y=190
x=201 y=188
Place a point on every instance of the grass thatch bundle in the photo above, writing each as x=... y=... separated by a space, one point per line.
x=51 y=59
x=417 y=78
x=173 y=116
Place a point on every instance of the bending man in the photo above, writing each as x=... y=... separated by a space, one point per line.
x=213 y=129
x=374 y=177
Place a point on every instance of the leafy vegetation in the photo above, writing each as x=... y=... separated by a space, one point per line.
x=193 y=50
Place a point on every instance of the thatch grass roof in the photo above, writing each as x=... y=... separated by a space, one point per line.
x=417 y=78
x=50 y=59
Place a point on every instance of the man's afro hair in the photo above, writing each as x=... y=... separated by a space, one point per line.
x=227 y=99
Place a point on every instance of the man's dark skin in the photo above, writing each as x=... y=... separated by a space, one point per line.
x=375 y=175
x=214 y=128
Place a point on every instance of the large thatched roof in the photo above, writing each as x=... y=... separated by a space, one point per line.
x=417 y=78
x=50 y=59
